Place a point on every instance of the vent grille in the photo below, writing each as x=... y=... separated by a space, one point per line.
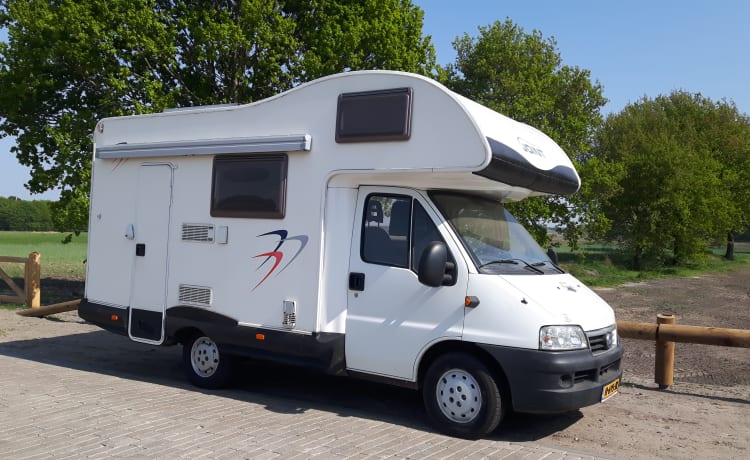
x=198 y=232
x=602 y=340
x=195 y=295
x=584 y=376
x=598 y=342
x=290 y=314
x=290 y=319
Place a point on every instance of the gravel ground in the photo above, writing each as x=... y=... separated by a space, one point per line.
x=716 y=300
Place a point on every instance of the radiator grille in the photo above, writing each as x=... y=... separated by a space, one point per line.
x=198 y=232
x=602 y=340
x=195 y=295
x=598 y=342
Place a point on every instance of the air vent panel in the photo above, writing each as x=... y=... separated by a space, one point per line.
x=290 y=314
x=202 y=233
x=200 y=296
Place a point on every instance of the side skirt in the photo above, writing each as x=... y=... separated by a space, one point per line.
x=322 y=351
x=384 y=380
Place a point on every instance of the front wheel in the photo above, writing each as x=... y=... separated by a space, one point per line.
x=461 y=397
x=204 y=365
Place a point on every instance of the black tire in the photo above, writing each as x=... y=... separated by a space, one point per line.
x=205 y=366
x=461 y=396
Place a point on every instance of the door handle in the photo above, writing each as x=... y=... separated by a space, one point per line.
x=357 y=281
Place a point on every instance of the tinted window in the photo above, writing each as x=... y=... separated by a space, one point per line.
x=249 y=186
x=374 y=116
x=423 y=232
x=396 y=231
x=385 y=234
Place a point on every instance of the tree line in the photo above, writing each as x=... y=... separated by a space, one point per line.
x=20 y=215
x=663 y=178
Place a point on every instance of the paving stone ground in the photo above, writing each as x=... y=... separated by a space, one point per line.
x=71 y=390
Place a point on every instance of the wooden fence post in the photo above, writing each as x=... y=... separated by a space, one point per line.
x=31 y=284
x=664 y=367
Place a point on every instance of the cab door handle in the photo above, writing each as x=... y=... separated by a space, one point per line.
x=357 y=281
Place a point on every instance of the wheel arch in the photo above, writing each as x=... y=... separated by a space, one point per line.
x=184 y=334
x=458 y=346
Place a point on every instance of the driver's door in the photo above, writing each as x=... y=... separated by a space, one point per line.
x=392 y=317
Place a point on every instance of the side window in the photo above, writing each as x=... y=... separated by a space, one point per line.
x=396 y=230
x=385 y=231
x=249 y=186
x=423 y=232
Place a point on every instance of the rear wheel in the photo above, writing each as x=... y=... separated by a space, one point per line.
x=205 y=365
x=461 y=397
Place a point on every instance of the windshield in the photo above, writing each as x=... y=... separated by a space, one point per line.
x=495 y=240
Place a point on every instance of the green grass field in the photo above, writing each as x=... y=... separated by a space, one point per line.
x=58 y=260
x=595 y=265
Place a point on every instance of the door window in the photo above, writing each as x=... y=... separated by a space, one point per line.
x=396 y=229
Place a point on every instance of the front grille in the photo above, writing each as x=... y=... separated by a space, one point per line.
x=588 y=375
x=598 y=342
x=602 y=340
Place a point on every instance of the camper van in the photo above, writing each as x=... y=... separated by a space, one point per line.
x=355 y=225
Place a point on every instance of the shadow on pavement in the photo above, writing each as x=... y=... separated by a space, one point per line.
x=278 y=388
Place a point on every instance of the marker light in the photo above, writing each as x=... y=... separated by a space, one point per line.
x=260 y=336
x=471 y=301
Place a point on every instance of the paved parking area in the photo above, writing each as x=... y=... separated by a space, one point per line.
x=71 y=390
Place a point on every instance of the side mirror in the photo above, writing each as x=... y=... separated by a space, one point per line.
x=552 y=254
x=433 y=264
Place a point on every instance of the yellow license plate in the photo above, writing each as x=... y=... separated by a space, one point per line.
x=610 y=389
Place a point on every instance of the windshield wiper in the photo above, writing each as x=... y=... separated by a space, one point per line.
x=539 y=264
x=514 y=261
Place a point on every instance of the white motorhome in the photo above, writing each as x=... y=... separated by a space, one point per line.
x=354 y=224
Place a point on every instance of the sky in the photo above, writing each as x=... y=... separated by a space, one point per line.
x=634 y=49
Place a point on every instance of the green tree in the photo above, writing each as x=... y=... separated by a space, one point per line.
x=20 y=215
x=69 y=63
x=66 y=65
x=521 y=75
x=680 y=164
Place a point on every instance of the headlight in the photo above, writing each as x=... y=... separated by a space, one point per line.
x=554 y=338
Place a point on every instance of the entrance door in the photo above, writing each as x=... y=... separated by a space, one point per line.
x=148 y=294
x=392 y=317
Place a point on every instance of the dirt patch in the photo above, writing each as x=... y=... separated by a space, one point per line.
x=716 y=300
x=703 y=415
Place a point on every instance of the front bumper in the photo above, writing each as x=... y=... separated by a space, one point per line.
x=549 y=382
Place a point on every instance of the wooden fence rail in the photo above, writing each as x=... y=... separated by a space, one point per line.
x=686 y=334
x=665 y=333
x=31 y=292
x=50 y=309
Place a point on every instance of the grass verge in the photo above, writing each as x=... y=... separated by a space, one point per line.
x=604 y=266
x=58 y=260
